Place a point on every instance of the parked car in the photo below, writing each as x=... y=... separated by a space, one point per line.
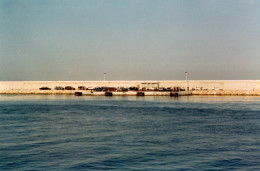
x=45 y=88
x=82 y=88
x=59 y=88
x=133 y=88
x=99 y=88
x=182 y=89
x=176 y=89
x=69 y=88
x=162 y=89
x=169 y=89
x=111 y=89
x=122 y=89
x=104 y=88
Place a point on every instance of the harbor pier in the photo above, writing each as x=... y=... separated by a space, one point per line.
x=128 y=88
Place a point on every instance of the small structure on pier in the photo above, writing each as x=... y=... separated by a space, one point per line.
x=150 y=86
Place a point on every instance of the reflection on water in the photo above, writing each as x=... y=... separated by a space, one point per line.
x=190 y=99
x=59 y=132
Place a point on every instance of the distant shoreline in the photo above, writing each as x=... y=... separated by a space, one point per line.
x=194 y=87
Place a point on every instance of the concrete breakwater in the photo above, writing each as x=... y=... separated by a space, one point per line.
x=195 y=87
x=134 y=93
x=96 y=93
x=227 y=92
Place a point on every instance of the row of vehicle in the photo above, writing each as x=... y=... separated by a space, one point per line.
x=114 y=88
x=58 y=88
x=89 y=88
x=176 y=89
x=202 y=88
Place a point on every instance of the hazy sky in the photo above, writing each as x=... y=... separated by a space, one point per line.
x=129 y=39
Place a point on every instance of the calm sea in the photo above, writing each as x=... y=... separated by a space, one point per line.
x=45 y=132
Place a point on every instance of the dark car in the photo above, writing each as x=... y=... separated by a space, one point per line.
x=59 y=88
x=104 y=88
x=99 y=88
x=133 y=88
x=69 y=88
x=45 y=88
x=162 y=89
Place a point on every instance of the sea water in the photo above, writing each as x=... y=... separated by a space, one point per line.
x=45 y=132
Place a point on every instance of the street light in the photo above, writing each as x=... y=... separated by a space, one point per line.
x=186 y=75
x=105 y=76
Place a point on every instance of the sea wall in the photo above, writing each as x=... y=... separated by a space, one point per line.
x=205 y=84
x=94 y=93
x=208 y=87
x=227 y=92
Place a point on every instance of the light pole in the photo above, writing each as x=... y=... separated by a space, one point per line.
x=186 y=75
x=105 y=76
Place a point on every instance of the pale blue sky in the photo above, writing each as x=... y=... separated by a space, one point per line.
x=129 y=39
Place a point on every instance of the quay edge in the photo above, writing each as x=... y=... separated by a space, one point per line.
x=198 y=87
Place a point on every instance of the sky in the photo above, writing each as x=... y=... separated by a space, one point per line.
x=129 y=40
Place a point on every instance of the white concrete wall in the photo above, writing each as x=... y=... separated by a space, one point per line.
x=206 y=84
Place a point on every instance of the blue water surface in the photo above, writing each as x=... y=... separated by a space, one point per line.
x=45 y=132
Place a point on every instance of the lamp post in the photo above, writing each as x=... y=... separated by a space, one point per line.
x=105 y=76
x=186 y=76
